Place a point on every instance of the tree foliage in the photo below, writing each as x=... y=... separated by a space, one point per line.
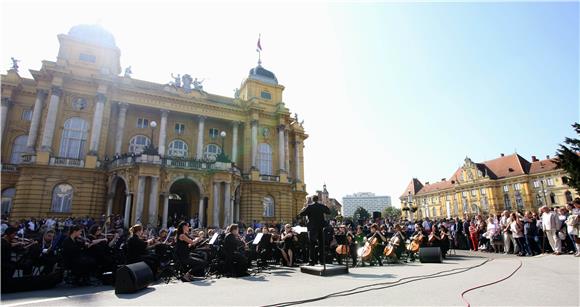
x=392 y=213
x=361 y=214
x=568 y=159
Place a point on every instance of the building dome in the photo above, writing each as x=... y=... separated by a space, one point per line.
x=262 y=74
x=94 y=34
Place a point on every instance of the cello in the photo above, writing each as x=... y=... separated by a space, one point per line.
x=368 y=248
x=393 y=243
x=416 y=243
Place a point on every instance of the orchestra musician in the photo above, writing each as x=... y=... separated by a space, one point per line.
x=100 y=248
x=376 y=252
x=75 y=256
x=418 y=240
x=235 y=253
x=398 y=240
x=288 y=239
x=139 y=250
x=44 y=254
x=183 y=245
x=8 y=244
x=445 y=241
x=349 y=242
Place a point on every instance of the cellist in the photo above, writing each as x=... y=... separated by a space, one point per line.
x=418 y=240
x=374 y=238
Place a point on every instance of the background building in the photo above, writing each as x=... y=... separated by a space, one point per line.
x=506 y=183
x=76 y=141
x=366 y=200
x=324 y=198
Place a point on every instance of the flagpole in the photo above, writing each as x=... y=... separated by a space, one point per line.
x=259 y=49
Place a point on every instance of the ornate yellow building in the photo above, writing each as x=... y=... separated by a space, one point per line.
x=506 y=183
x=76 y=140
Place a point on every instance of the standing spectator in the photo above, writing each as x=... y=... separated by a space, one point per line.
x=550 y=227
x=473 y=235
x=517 y=229
x=504 y=224
x=531 y=234
x=465 y=232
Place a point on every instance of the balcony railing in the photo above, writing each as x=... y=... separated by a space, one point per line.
x=195 y=164
x=10 y=168
x=122 y=161
x=246 y=176
x=270 y=178
x=28 y=158
x=61 y=161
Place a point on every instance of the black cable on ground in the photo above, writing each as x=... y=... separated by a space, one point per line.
x=365 y=288
x=489 y=284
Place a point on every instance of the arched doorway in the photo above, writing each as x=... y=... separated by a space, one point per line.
x=119 y=197
x=184 y=195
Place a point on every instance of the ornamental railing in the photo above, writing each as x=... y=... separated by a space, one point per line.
x=10 y=168
x=28 y=158
x=195 y=164
x=270 y=178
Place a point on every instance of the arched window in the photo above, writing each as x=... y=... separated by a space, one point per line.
x=18 y=148
x=455 y=209
x=177 y=148
x=74 y=137
x=212 y=151
x=268 y=203
x=519 y=202
x=464 y=205
x=507 y=202
x=62 y=198
x=568 y=197
x=138 y=143
x=485 y=205
x=553 y=198
x=7 y=198
x=265 y=159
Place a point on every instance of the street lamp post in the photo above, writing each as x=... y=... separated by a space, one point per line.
x=410 y=204
x=222 y=157
x=151 y=151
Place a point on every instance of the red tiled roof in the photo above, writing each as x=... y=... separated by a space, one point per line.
x=542 y=166
x=508 y=166
x=434 y=187
x=414 y=186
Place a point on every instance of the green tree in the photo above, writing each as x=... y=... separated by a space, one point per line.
x=392 y=213
x=360 y=214
x=568 y=159
x=333 y=213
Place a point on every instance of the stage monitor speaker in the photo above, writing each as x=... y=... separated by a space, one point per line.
x=133 y=277
x=430 y=255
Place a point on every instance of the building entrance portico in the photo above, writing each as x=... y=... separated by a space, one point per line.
x=183 y=200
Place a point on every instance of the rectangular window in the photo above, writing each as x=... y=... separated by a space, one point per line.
x=142 y=123
x=266 y=95
x=27 y=115
x=464 y=193
x=506 y=188
x=550 y=182
x=537 y=184
x=87 y=58
x=213 y=133
x=179 y=128
x=482 y=191
x=473 y=192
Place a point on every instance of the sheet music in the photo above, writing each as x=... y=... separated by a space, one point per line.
x=299 y=229
x=257 y=238
x=213 y=238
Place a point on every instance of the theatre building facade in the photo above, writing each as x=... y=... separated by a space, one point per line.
x=82 y=138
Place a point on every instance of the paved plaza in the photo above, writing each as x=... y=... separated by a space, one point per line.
x=544 y=280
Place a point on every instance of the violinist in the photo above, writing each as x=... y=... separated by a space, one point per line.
x=8 y=266
x=138 y=249
x=444 y=237
x=377 y=235
x=99 y=248
x=234 y=251
x=74 y=252
x=288 y=239
x=183 y=244
x=44 y=253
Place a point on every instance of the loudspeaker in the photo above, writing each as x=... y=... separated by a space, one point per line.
x=133 y=277
x=430 y=255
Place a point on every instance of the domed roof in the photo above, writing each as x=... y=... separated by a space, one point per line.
x=94 y=34
x=262 y=74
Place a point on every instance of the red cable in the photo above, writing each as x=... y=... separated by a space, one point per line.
x=488 y=284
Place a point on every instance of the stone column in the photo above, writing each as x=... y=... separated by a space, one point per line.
x=254 y=143
x=97 y=124
x=50 y=124
x=140 y=199
x=110 y=198
x=281 y=151
x=227 y=205
x=35 y=122
x=201 y=212
x=200 y=134
x=127 y=215
x=232 y=212
x=4 y=115
x=216 y=204
x=120 y=127
x=165 y=209
x=163 y=132
x=297 y=160
x=237 y=210
x=235 y=141
x=287 y=151
x=153 y=201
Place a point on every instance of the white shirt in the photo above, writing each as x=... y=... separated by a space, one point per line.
x=549 y=221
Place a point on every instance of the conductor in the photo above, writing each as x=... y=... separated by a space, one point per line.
x=315 y=213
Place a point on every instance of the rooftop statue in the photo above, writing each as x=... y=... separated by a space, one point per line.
x=177 y=80
x=14 y=64
x=128 y=72
x=197 y=85
x=186 y=80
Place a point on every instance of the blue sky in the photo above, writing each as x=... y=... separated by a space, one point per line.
x=388 y=91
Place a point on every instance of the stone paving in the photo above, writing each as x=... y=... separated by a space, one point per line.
x=544 y=280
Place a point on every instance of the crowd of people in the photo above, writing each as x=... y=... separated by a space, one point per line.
x=87 y=248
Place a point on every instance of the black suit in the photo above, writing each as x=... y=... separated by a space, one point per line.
x=315 y=213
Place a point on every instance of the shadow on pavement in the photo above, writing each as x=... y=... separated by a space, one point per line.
x=375 y=276
x=136 y=294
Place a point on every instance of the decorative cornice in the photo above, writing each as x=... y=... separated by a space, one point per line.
x=56 y=91
x=101 y=98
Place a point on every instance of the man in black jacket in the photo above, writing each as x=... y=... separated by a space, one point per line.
x=315 y=213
